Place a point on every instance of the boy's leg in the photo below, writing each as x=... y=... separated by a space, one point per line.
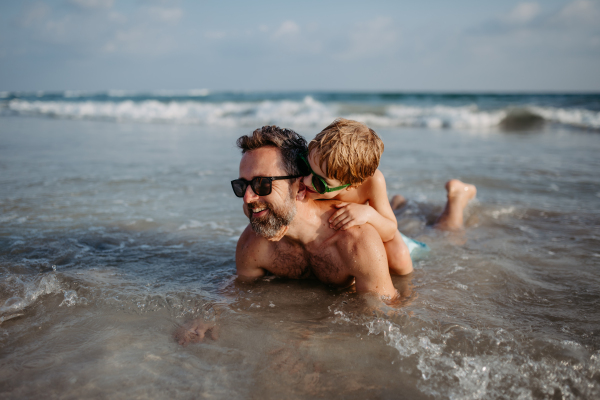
x=459 y=195
x=398 y=256
x=398 y=201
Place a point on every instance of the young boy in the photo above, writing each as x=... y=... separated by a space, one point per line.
x=343 y=159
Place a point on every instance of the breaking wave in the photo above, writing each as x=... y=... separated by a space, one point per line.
x=451 y=365
x=304 y=111
x=20 y=293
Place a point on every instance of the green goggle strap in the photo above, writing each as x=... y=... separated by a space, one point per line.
x=327 y=188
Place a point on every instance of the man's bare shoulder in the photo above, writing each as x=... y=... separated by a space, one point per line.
x=325 y=206
x=354 y=236
x=252 y=255
x=247 y=236
x=249 y=241
x=363 y=253
x=255 y=255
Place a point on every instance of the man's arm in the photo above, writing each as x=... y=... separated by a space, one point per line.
x=250 y=252
x=362 y=250
x=378 y=212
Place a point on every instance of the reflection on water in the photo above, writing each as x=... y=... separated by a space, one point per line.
x=113 y=235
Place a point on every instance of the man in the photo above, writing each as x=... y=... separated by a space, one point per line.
x=289 y=234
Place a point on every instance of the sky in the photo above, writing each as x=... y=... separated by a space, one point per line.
x=448 y=46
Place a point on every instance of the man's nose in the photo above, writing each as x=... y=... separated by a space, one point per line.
x=249 y=195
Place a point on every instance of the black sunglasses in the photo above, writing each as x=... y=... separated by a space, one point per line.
x=260 y=185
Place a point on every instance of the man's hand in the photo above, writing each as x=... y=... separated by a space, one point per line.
x=349 y=215
x=195 y=331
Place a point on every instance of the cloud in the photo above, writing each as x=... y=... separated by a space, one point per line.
x=309 y=43
x=147 y=32
x=523 y=13
x=287 y=28
x=93 y=4
x=141 y=40
x=142 y=30
x=528 y=41
x=376 y=37
x=164 y=14
x=215 y=34
x=575 y=15
x=34 y=14
x=530 y=38
x=117 y=17
x=39 y=25
x=578 y=13
x=287 y=38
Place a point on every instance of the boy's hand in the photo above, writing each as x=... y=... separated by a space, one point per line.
x=349 y=215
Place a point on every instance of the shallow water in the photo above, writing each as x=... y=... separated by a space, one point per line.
x=113 y=234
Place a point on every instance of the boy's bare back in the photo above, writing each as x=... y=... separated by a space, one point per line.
x=343 y=159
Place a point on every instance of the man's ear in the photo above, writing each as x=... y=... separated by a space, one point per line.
x=301 y=189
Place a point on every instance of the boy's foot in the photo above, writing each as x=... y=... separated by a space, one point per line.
x=398 y=201
x=460 y=191
x=459 y=195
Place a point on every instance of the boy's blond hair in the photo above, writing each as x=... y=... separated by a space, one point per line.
x=349 y=149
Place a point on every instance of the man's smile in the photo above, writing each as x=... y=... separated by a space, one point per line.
x=259 y=212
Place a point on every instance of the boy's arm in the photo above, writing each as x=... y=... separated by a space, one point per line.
x=378 y=213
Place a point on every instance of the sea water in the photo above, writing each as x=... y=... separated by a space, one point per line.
x=118 y=224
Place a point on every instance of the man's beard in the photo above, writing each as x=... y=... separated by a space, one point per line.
x=277 y=218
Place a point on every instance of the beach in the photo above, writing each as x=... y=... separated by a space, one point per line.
x=118 y=224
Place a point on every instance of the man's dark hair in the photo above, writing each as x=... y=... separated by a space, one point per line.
x=287 y=141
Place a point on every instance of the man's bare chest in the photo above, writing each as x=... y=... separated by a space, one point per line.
x=288 y=261
x=298 y=262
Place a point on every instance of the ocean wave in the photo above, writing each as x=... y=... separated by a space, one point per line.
x=24 y=292
x=306 y=112
x=229 y=114
x=502 y=372
x=99 y=288
x=575 y=117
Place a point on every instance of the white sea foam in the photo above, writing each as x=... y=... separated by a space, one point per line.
x=198 y=92
x=307 y=112
x=450 y=374
x=212 y=225
x=503 y=211
x=445 y=116
x=25 y=292
x=575 y=117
